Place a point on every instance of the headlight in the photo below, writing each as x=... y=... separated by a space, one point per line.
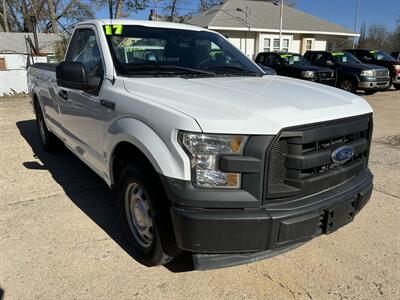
x=367 y=73
x=307 y=74
x=203 y=151
x=397 y=68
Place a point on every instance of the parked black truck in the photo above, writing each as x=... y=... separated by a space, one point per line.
x=380 y=58
x=296 y=66
x=352 y=74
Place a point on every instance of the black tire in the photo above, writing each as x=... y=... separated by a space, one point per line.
x=348 y=84
x=370 y=92
x=396 y=86
x=49 y=142
x=161 y=248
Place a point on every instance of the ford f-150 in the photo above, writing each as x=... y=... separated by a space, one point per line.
x=209 y=154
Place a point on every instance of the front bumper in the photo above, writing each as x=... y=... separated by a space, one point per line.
x=374 y=84
x=226 y=237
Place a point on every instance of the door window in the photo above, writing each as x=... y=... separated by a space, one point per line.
x=85 y=49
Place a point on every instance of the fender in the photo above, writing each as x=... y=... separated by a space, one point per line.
x=167 y=159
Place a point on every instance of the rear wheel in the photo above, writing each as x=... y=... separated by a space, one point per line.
x=145 y=217
x=48 y=140
x=396 y=86
x=349 y=85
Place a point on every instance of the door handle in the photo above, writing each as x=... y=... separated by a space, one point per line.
x=63 y=94
x=108 y=104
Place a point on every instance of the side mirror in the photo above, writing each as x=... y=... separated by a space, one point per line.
x=73 y=75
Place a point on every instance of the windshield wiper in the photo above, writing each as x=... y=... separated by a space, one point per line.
x=169 y=69
x=235 y=70
x=191 y=70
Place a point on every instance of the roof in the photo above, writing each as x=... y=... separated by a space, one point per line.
x=264 y=16
x=14 y=42
x=143 y=23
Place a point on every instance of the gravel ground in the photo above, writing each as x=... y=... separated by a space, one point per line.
x=60 y=237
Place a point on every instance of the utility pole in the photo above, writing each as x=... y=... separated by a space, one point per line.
x=280 y=3
x=280 y=26
x=110 y=8
x=356 y=21
x=247 y=24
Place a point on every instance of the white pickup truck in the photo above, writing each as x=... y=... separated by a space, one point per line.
x=208 y=153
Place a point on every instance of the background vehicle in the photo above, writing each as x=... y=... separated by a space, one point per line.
x=296 y=66
x=208 y=154
x=352 y=75
x=396 y=55
x=380 y=58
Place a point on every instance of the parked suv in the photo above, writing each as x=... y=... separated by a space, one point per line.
x=382 y=59
x=296 y=66
x=352 y=74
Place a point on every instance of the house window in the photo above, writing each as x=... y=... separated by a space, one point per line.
x=3 y=63
x=267 y=45
x=309 y=45
x=285 y=45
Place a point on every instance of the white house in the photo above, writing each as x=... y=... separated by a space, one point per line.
x=253 y=26
x=14 y=59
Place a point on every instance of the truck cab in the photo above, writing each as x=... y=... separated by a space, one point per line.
x=352 y=74
x=380 y=58
x=296 y=66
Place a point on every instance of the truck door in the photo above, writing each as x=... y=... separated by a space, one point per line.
x=82 y=115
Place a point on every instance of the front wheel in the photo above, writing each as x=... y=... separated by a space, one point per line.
x=145 y=216
x=348 y=85
x=396 y=86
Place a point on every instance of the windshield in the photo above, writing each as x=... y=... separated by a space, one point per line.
x=379 y=55
x=148 y=51
x=294 y=59
x=344 y=57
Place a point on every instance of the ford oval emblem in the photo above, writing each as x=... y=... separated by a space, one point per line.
x=342 y=154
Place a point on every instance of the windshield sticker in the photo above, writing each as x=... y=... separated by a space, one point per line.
x=117 y=28
x=337 y=53
x=285 y=55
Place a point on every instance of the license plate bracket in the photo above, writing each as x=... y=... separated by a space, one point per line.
x=339 y=215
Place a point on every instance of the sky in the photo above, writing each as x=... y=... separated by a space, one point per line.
x=342 y=12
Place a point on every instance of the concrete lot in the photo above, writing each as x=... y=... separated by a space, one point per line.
x=60 y=236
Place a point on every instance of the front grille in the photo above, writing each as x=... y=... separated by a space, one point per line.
x=381 y=73
x=300 y=160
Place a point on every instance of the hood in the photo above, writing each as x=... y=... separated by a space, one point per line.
x=249 y=105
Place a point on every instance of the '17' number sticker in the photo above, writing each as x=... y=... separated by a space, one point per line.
x=114 y=29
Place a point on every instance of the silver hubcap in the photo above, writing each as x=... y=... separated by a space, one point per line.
x=346 y=85
x=138 y=215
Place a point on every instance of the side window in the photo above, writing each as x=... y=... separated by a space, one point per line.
x=85 y=49
x=260 y=58
x=320 y=59
x=269 y=59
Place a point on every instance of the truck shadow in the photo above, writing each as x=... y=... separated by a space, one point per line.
x=85 y=189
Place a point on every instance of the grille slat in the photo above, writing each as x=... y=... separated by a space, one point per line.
x=303 y=156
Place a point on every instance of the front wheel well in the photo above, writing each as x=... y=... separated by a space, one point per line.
x=124 y=153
